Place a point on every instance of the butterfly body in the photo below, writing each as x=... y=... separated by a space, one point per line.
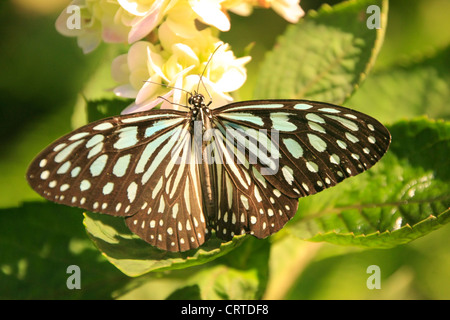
x=202 y=116
x=175 y=176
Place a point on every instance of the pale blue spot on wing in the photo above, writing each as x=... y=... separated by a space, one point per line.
x=334 y=158
x=302 y=106
x=127 y=138
x=317 y=143
x=103 y=126
x=75 y=171
x=330 y=110
x=346 y=123
x=313 y=167
x=315 y=118
x=95 y=150
x=341 y=144
x=351 y=137
x=121 y=166
x=64 y=168
x=147 y=117
x=98 y=165
x=293 y=147
x=281 y=122
x=288 y=174
x=64 y=153
x=94 y=140
x=149 y=149
x=316 y=127
x=247 y=117
x=257 y=106
x=132 y=191
x=160 y=125
x=62 y=145
x=78 y=136
x=108 y=188
x=85 y=185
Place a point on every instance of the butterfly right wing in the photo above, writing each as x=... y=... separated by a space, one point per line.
x=317 y=146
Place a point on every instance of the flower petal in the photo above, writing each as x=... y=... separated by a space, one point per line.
x=89 y=41
x=211 y=13
x=149 y=89
x=119 y=69
x=288 y=9
x=125 y=91
x=142 y=26
x=146 y=105
x=134 y=7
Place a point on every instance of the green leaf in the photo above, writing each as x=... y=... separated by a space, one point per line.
x=103 y=108
x=242 y=274
x=402 y=198
x=38 y=242
x=411 y=89
x=225 y=283
x=324 y=56
x=134 y=257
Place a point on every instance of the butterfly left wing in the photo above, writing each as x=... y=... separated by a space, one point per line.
x=126 y=166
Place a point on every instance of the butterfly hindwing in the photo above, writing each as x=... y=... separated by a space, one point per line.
x=248 y=203
x=171 y=217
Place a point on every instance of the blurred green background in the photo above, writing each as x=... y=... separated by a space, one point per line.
x=43 y=74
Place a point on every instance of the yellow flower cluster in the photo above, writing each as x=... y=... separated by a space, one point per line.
x=170 y=43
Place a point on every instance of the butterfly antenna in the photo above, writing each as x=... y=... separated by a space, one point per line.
x=204 y=70
x=167 y=86
x=171 y=102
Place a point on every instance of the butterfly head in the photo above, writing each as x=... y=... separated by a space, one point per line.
x=197 y=100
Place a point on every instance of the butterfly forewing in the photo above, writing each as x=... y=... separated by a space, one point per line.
x=318 y=144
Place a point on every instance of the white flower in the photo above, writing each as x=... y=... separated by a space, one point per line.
x=97 y=21
x=225 y=71
x=147 y=72
x=288 y=9
x=112 y=21
x=212 y=13
x=147 y=14
x=115 y=21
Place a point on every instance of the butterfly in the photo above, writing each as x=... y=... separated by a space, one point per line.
x=177 y=177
